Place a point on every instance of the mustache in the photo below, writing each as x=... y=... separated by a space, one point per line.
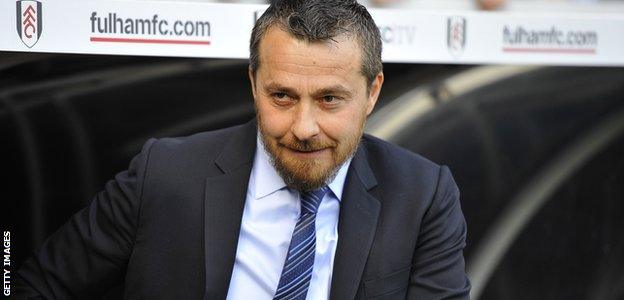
x=306 y=145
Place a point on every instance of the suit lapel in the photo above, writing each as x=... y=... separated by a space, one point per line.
x=225 y=196
x=359 y=212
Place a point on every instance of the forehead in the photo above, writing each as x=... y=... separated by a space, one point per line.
x=282 y=53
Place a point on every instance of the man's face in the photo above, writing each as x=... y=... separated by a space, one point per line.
x=312 y=102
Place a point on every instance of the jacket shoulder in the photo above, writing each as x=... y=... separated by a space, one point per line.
x=215 y=139
x=401 y=171
x=194 y=154
x=396 y=157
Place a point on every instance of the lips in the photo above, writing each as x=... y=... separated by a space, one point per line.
x=308 y=153
x=306 y=150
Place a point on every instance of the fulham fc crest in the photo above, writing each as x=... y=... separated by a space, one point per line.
x=456 y=35
x=29 y=21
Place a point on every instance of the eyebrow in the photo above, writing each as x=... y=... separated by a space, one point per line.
x=334 y=89
x=276 y=87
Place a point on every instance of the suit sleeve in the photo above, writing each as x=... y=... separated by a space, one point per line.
x=438 y=270
x=89 y=253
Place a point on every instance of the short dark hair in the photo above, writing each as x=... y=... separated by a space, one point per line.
x=322 y=20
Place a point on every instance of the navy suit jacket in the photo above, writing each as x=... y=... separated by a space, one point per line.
x=167 y=228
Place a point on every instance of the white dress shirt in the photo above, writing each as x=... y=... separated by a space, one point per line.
x=270 y=214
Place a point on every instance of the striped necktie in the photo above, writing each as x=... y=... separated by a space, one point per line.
x=297 y=270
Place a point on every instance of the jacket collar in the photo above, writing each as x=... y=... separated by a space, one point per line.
x=357 y=224
x=224 y=201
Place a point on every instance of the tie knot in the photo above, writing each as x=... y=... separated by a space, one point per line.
x=311 y=200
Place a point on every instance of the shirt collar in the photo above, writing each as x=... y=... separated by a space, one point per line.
x=267 y=179
x=337 y=185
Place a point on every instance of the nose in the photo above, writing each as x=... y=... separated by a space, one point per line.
x=305 y=126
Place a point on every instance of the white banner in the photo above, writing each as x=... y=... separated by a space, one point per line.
x=194 y=29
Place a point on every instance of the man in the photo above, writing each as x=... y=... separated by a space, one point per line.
x=295 y=205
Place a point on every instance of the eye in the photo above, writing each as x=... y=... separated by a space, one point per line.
x=280 y=95
x=281 y=99
x=329 y=99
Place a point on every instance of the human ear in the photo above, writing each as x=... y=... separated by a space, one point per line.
x=252 y=80
x=374 y=90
